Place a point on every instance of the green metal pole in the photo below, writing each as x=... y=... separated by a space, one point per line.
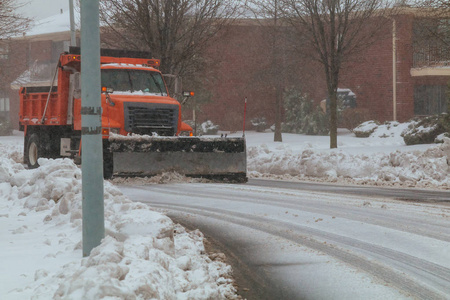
x=91 y=139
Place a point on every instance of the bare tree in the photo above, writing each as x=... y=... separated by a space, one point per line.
x=332 y=31
x=176 y=31
x=437 y=4
x=11 y=23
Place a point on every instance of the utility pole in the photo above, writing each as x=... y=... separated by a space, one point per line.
x=73 y=39
x=92 y=152
x=394 y=70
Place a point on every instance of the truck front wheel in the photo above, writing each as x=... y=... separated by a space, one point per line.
x=33 y=151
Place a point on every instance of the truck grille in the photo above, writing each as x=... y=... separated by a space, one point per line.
x=149 y=118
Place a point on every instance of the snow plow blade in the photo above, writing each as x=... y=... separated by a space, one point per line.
x=213 y=158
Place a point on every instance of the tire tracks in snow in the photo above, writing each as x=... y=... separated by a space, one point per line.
x=354 y=252
x=354 y=212
x=416 y=276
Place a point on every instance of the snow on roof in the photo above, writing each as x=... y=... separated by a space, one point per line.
x=52 y=24
x=40 y=9
x=348 y=91
x=40 y=74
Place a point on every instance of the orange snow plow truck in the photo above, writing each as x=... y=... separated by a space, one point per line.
x=141 y=123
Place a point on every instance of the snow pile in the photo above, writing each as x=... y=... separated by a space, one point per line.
x=164 y=178
x=429 y=167
x=391 y=131
x=356 y=160
x=143 y=256
x=365 y=129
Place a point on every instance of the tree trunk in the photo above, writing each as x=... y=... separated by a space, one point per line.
x=333 y=119
x=332 y=94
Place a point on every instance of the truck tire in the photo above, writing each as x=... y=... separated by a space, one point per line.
x=107 y=161
x=107 y=165
x=33 y=151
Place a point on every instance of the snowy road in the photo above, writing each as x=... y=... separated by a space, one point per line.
x=303 y=244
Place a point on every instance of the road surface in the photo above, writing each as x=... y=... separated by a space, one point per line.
x=316 y=241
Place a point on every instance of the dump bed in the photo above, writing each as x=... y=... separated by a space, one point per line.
x=32 y=106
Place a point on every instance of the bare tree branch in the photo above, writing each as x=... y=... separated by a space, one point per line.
x=176 y=31
x=11 y=23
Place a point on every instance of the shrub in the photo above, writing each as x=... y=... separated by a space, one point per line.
x=316 y=123
x=426 y=130
x=260 y=124
x=365 y=129
x=208 y=128
x=302 y=116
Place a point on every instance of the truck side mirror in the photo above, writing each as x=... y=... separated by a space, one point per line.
x=186 y=95
x=107 y=90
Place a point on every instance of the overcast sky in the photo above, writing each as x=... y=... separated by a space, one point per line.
x=39 y=9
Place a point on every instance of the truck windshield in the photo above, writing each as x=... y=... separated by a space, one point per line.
x=128 y=80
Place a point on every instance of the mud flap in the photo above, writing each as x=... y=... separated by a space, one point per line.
x=216 y=158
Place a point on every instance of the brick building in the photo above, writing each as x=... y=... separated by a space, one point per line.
x=396 y=78
x=402 y=75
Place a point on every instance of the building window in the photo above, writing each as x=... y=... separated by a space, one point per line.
x=430 y=99
x=4 y=104
x=4 y=51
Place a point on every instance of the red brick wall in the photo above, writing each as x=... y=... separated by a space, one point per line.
x=405 y=84
x=370 y=74
x=239 y=55
x=246 y=68
x=16 y=65
x=41 y=50
x=245 y=54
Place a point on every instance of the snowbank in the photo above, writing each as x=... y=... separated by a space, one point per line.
x=381 y=159
x=143 y=256
x=415 y=168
